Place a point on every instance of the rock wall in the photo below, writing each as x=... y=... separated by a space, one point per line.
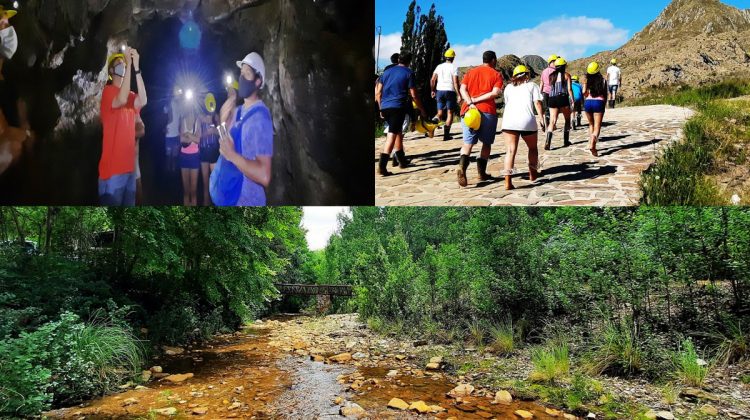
x=317 y=56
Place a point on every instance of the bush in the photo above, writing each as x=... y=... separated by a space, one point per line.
x=688 y=367
x=551 y=362
x=616 y=350
x=503 y=339
x=181 y=321
x=475 y=332
x=64 y=362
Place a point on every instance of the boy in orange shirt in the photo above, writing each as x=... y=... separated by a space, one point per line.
x=119 y=108
x=479 y=88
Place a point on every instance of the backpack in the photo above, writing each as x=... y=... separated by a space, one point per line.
x=226 y=180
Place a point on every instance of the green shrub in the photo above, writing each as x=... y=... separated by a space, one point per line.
x=475 y=332
x=551 y=362
x=503 y=338
x=181 y=321
x=688 y=366
x=734 y=344
x=64 y=362
x=616 y=350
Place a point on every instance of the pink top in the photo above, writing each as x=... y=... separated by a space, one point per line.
x=545 y=77
x=192 y=148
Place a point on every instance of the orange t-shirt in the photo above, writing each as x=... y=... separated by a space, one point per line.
x=118 y=144
x=478 y=81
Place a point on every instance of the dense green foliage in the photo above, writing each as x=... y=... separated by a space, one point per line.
x=630 y=283
x=715 y=139
x=104 y=286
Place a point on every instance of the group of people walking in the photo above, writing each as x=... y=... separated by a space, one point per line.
x=529 y=107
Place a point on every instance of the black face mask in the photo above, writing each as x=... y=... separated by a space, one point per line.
x=247 y=88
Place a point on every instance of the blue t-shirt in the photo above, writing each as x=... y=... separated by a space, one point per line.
x=396 y=82
x=577 y=91
x=257 y=140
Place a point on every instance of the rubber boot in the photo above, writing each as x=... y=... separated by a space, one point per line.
x=403 y=162
x=578 y=119
x=395 y=160
x=482 y=170
x=548 y=142
x=463 y=164
x=447 y=133
x=383 y=165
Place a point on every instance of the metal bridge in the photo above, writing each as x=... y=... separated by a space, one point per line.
x=314 y=289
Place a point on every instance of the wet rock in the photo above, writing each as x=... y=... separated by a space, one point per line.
x=400 y=357
x=591 y=416
x=239 y=389
x=235 y=405
x=567 y=416
x=462 y=390
x=664 y=415
x=341 y=358
x=709 y=410
x=352 y=410
x=169 y=411
x=156 y=369
x=503 y=397
x=436 y=409
x=172 y=351
x=338 y=400
x=432 y=366
x=317 y=358
x=129 y=401
x=420 y=407
x=523 y=414
x=181 y=377
x=552 y=412
x=199 y=411
x=359 y=356
x=392 y=373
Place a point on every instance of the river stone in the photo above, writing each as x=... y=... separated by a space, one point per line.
x=352 y=410
x=665 y=415
x=503 y=397
x=392 y=373
x=436 y=409
x=181 y=377
x=169 y=411
x=437 y=359
x=199 y=411
x=398 y=404
x=145 y=375
x=432 y=366
x=341 y=358
x=567 y=416
x=156 y=369
x=523 y=414
x=359 y=356
x=462 y=390
x=552 y=412
x=129 y=401
x=650 y=414
x=420 y=406
x=172 y=351
x=709 y=410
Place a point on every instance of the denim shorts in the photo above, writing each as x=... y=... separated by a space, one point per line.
x=594 y=106
x=117 y=191
x=613 y=89
x=446 y=99
x=485 y=134
x=190 y=160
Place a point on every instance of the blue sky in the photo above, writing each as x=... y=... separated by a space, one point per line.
x=525 y=27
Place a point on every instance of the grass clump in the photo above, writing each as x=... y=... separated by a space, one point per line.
x=551 y=362
x=503 y=338
x=475 y=332
x=616 y=350
x=689 y=368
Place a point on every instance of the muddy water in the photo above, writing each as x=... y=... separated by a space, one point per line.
x=432 y=390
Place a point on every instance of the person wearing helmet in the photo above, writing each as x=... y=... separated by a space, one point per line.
x=190 y=161
x=595 y=93
x=119 y=107
x=561 y=92
x=544 y=85
x=394 y=95
x=140 y=132
x=577 y=102
x=614 y=79
x=209 y=144
x=15 y=131
x=521 y=99
x=479 y=88
x=249 y=145
x=444 y=85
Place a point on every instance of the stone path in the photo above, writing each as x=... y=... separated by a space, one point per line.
x=630 y=141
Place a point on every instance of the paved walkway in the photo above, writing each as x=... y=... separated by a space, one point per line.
x=630 y=141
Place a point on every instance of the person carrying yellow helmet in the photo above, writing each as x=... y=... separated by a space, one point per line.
x=444 y=84
x=479 y=88
x=595 y=93
x=544 y=85
x=614 y=79
x=119 y=110
x=394 y=93
x=522 y=98
x=560 y=96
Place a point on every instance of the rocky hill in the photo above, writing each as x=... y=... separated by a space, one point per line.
x=691 y=42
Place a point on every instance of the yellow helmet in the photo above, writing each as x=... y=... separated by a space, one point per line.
x=552 y=58
x=450 y=53
x=593 y=68
x=210 y=103
x=521 y=69
x=560 y=62
x=414 y=105
x=7 y=14
x=111 y=60
x=575 y=78
x=473 y=119
x=425 y=128
x=614 y=61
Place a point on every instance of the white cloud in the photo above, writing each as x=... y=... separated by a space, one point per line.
x=570 y=37
x=321 y=223
x=389 y=44
x=566 y=36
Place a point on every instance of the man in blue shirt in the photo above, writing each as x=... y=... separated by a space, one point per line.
x=577 y=102
x=394 y=93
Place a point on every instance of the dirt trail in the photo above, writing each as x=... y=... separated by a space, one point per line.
x=285 y=368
